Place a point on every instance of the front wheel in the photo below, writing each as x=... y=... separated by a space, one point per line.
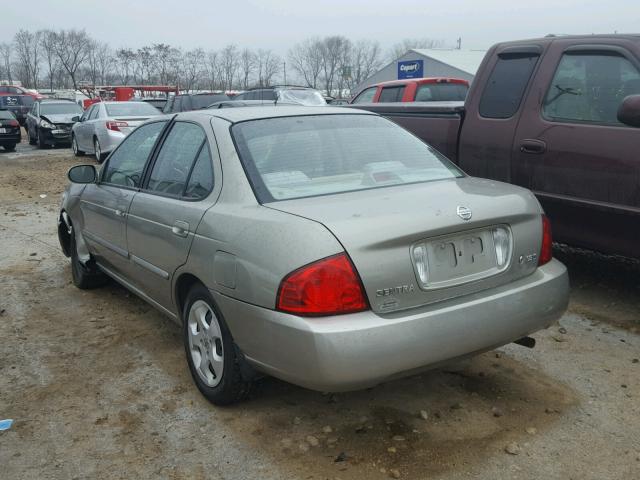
x=211 y=353
x=41 y=143
x=74 y=145
x=10 y=148
x=84 y=276
x=32 y=141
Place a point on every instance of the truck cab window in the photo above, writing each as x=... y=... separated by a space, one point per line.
x=505 y=88
x=391 y=94
x=589 y=87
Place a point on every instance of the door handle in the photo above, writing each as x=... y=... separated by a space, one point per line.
x=120 y=213
x=180 y=228
x=530 y=145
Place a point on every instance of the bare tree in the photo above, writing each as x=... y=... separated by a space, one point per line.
x=212 y=68
x=229 y=66
x=333 y=51
x=5 y=57
x=72 y=48
x=268 y=64
x=165 y=59
x=105 y=62
x=125 y=58
x=407 y=44
x=27 y=46
x=247 y=65
x=52 y=63
x=306 y=60
x=364 y=60
x=192 y=66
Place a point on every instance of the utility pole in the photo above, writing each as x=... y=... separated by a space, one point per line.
x=459 y=43
x=284 y=69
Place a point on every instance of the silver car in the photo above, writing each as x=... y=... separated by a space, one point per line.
x=103 y=125
x=328 y=248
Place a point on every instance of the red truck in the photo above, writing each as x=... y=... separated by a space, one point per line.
x=430 y=89
x=560 y=116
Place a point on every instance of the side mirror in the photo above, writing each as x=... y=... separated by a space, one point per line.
x=75 y=119
x=629 y=111
x=83 y=174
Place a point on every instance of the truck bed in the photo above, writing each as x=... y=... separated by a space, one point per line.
x=437 y=123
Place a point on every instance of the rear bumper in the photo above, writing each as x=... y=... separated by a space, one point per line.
x=10 y=139
x=355 y=351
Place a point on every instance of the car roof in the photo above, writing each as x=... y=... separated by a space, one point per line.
x=235 y=115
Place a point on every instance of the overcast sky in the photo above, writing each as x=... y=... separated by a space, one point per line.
x=277 y=24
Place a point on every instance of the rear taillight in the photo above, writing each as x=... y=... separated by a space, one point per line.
x=546 y=252
x=330 y=286
x=13 y=123
x=115 y=126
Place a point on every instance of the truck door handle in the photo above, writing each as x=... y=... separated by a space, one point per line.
x=180 y=228
x=530 y=145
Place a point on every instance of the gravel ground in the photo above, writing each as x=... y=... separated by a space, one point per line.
x=98 y=387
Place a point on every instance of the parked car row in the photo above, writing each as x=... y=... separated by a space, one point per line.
x=10 y=134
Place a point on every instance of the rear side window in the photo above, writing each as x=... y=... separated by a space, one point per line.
x=173 y=164
x=366 y=96
x=6 y=115
x=127 y=162
x=589 y=87
x=201 y=178
x=391 y=94
x=508 y=81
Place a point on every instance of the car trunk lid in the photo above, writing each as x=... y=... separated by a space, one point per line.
x=131 y=121
x=380 y=229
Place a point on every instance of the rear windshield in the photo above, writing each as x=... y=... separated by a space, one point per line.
x=59 y=108
x=128 y=109
x=203 y=101
x=305 y=156
x=16 y=100
x=6 y=114
x=441 y=92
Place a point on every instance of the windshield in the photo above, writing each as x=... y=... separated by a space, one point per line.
x=311 y=98
x=127 y=109
x=294 y=157
x=59 y=109
x=203 y=101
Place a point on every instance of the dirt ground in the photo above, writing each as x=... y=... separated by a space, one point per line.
x=98 y=387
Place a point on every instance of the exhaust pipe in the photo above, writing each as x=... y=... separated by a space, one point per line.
x=526 y=342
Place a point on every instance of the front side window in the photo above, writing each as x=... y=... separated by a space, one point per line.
x=171 y=169
x=305 y=156
x=391 y=94
x=127 y=162
x=589 y=87
x=505 y=88
x=93 y=114
x=366 y=96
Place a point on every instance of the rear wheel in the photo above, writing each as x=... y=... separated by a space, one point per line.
x=74 y=145
x=98 y=151
x=84 y=276
x=211 y=353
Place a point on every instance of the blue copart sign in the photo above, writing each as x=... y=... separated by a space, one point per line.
x=410 y=69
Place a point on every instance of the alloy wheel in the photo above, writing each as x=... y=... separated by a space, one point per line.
x=205 y=343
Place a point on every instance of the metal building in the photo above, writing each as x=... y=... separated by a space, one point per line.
x=433 y=62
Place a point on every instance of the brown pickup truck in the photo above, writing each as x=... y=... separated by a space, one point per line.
x=560 y=116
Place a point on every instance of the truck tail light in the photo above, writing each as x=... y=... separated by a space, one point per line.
x=330 y=286
x=115 y=126
x=546 y=252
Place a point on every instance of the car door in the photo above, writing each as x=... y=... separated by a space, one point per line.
x=82 y=130
x=104 y=205
x=164 y=215
x=572 y=151
x=32 y=120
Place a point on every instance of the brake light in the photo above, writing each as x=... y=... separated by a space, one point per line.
x=330 y=286
x=115 y=126
x=546 y=252
x=13 y=123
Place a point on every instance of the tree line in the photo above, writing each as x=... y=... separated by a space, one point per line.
x=63 y=59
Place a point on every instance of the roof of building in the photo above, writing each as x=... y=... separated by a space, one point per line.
x=465 y=60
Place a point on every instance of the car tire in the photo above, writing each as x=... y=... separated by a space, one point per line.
x=74 y=146
x=209 y=346
x=84 y=276
x=10 y=148
x=32 y=141
x=98 y=151
x=41 y=143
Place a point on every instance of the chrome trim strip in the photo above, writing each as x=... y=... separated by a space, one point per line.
x=106 y=244
x=149 y=266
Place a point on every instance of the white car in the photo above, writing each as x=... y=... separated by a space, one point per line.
x=103 y=126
